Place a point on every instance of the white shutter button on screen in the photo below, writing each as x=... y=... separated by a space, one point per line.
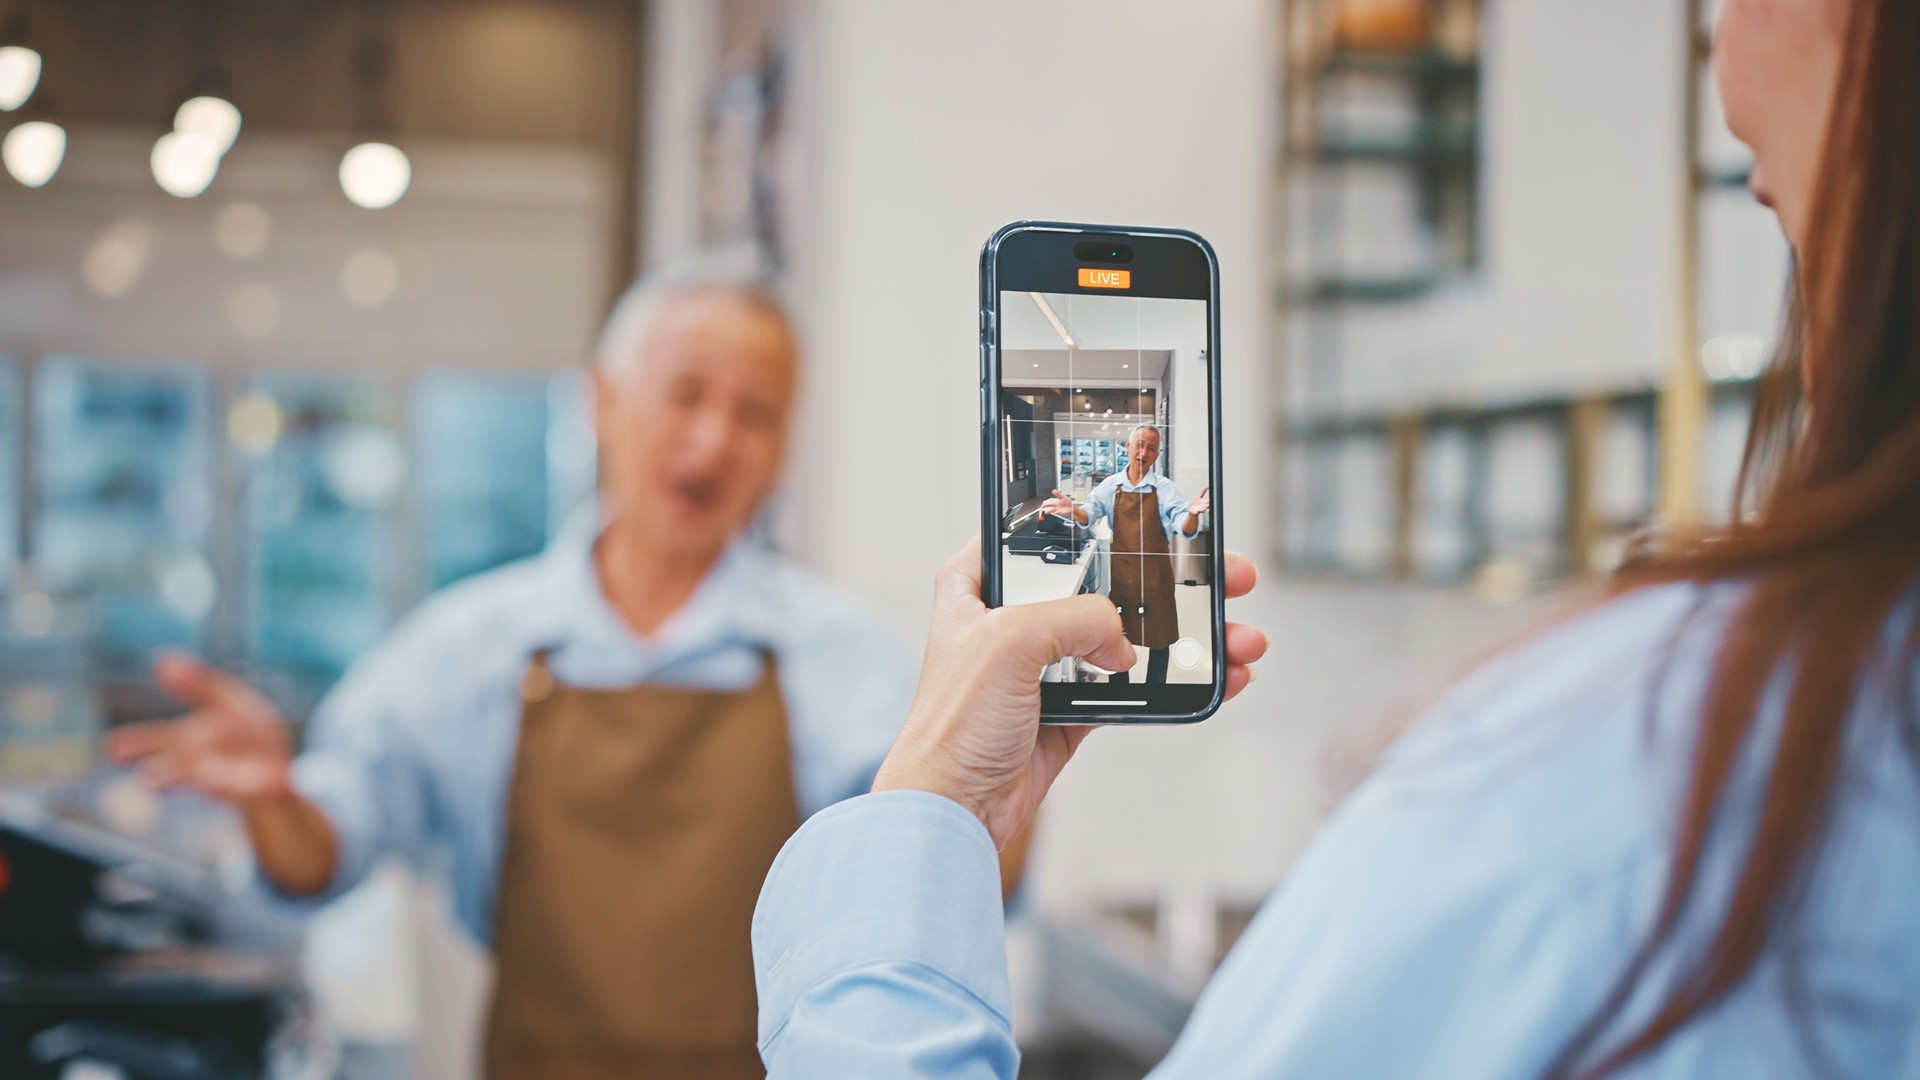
x=1186 y=653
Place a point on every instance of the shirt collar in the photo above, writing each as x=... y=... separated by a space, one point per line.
x=733 y=606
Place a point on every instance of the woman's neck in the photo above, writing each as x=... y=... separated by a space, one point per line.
x=646 y=582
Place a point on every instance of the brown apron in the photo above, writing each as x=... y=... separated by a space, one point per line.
x=640 y=825
x=1142 y=571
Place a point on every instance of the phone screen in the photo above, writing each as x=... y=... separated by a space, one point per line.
x=1104 y=398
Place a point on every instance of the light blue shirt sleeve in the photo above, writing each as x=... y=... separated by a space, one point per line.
x=881 y=954
x=1465 y=912
x=361 y=767
x=879 y=946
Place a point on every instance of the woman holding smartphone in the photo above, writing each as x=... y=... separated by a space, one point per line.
x=1678 y=836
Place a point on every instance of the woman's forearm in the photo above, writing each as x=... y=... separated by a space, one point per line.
x=293 y=842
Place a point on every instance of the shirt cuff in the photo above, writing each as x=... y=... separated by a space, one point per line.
x=338 y=792
x=896 y=876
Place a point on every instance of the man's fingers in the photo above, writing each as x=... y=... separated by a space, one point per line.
x=200 y=685
x=184 y=678
x=1241 y=575
x=133 y=742
x=1245 y=644
x=168 y=770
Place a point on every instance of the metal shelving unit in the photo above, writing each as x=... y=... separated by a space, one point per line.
x=1400 y=102
x=1671 y=425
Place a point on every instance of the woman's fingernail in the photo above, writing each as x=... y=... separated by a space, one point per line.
x=1253 y=675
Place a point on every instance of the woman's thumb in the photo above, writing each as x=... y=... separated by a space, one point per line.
x=1087 y=626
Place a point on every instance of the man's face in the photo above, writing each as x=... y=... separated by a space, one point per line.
x=694 y=429
x=1143 y=446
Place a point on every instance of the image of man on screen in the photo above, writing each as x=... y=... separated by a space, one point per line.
x=1145 y=511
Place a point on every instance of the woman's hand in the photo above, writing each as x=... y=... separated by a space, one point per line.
x=974 y=733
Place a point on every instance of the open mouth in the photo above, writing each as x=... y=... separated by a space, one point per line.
x=698 y=493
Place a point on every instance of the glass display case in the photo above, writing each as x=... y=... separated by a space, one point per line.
x=322 y=471
x=123 y=498
x=496 y=460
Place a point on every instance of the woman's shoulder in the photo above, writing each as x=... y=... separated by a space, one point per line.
x=1578 y=736
x=1581 y=738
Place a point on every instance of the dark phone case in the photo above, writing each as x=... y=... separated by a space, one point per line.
x=990 y=511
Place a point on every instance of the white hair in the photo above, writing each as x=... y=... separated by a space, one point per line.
x=633 y=315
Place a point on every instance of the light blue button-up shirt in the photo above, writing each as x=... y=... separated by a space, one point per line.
x=1463 y=913
x=414 y=749
x=1173 y=505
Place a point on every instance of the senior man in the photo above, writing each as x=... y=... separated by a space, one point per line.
x=1145 y=511
x=612 y=738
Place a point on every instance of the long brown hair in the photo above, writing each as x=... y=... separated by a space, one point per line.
x=1826 y=531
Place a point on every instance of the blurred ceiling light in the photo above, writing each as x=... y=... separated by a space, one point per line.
x=184 y=163
x=1059 y=327
x=241 y=230
x=214 y=119
x=33 y=151
x=115 y=261
x=253 y=309
x=370 y=277
x=19 y=74
x=253 y=423
x=375 y=174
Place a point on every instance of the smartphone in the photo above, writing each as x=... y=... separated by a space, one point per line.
x=1100 y=455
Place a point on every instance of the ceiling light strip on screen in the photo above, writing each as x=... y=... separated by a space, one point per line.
x=1058 y=326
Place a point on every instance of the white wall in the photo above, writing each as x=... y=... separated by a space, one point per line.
x=925 y=127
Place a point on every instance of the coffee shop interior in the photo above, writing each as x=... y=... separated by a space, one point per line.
x=296 y=303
